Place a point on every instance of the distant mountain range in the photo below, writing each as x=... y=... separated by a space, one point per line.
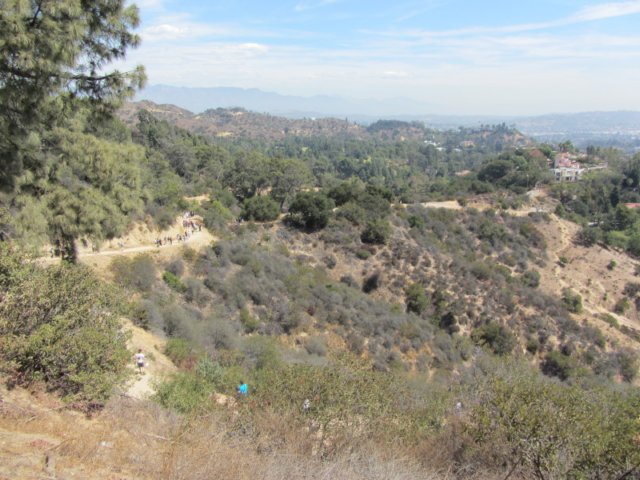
x=198 y=100
x=618 y=128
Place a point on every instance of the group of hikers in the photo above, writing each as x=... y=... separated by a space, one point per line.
x=190 y=228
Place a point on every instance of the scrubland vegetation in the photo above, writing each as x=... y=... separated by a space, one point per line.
x=420 y=336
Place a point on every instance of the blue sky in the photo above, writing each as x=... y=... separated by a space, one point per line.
x=457 y=57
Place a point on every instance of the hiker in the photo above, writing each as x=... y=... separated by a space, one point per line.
x=139 y=360
x=306 y=405
x=243 y=389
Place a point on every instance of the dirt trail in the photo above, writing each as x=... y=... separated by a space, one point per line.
x=157 y=365
x=197 y=239
x=141 y=239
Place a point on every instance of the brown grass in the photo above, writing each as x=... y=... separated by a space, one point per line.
x=137 y=439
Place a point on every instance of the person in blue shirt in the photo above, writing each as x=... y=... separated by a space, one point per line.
x=243 y=389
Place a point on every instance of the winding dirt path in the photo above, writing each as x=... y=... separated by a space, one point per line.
x=157 y=364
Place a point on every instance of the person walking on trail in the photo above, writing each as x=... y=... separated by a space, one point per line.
x=139 y=360
x=243 y=389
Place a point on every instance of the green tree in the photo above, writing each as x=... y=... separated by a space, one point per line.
x=53 y=58
x=311 y=210
x=56 y=96
x=287 y=177
x=260 y=208
x=249 y=174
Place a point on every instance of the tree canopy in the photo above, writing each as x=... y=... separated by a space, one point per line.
x=55 y=91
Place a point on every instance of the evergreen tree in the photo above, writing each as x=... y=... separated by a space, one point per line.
x=53 y=85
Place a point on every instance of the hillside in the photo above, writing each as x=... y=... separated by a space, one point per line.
x=313 y=298
x=135 y=439
x=485 y=290
x=618 y=128
x=238 y=123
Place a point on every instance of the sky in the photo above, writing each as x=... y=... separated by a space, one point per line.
x=453 y=56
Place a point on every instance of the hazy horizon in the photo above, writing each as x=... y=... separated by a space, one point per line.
x=142 y=95
x=461 y=58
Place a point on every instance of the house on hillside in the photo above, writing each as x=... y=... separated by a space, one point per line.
x=567 y=168
x=566 y=160
x=568 y=174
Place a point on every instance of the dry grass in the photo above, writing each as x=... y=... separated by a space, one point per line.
x=136 y=439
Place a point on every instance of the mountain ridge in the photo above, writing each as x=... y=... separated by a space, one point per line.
x=200 y=99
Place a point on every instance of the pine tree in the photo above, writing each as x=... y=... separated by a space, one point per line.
x=54 y=84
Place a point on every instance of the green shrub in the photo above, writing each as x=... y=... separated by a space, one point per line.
x=546 y=429
x=622 y=306
x=588 y=236
x=174 y=282
x=352 y=212
x=611 y=265
x=60 y=325
x=344 y=192
x=617 y=239
x=137 y=273
x=531 y=278
x=557 y=364
x=481 y=270
x=416 y=222
x=261 y=352
x=248 y=321
x=628 y=365
x=260 y=209
x=185 y=392
x=316 y=346
x=179 y=351
x=610 y=319
x=572 y=300
x=363 y=254
x=376 y=232
x=495 y=336
x=215 y=214
x=633 y=245
x=533 y=345
x=176 y=266
x=211 y=372
x=416 y=299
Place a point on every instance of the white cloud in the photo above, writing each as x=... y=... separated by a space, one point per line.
x=606 y=10
x=395 y=74
x=164 y=31
x=588 y=14
x=506 y=69
x=253 y=47
x=180 y=27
